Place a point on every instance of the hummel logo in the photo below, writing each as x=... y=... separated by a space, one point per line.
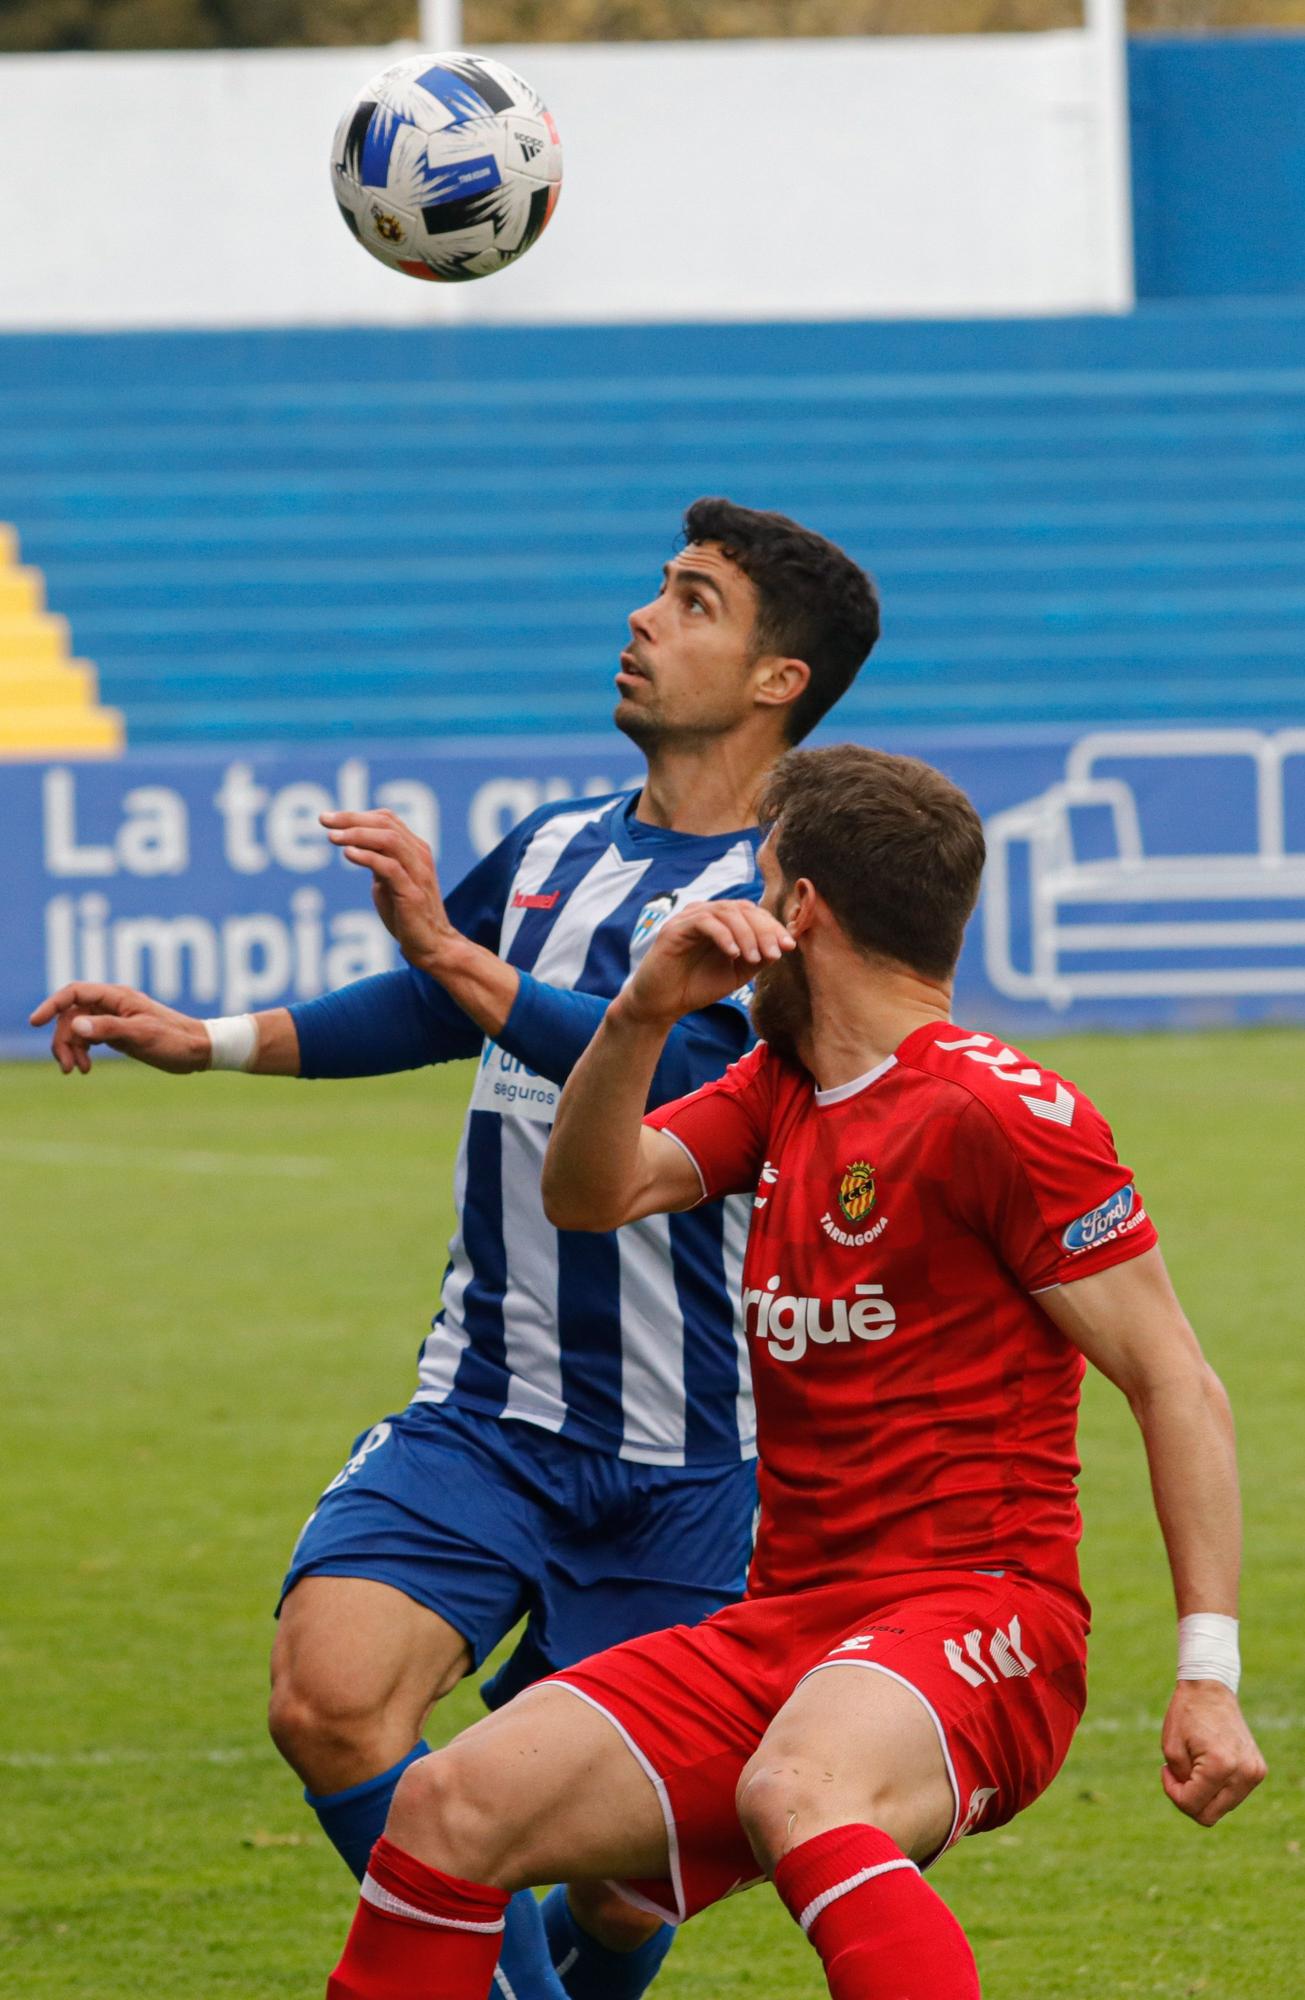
x=521 y=901
x=1006 y=1649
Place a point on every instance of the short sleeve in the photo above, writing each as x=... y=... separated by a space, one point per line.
x=724 y=1126
x=1056 y=1200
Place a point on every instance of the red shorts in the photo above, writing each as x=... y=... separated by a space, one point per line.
x=998 y=1662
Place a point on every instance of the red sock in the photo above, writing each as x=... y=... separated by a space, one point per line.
x=881 y=1932
x=418 y=1931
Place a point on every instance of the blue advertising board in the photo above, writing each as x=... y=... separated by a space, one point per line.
x=1135 y=878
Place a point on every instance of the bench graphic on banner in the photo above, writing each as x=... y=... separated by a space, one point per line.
x=1138 y=920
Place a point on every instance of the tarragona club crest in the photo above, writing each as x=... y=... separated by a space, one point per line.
x=856 y=1191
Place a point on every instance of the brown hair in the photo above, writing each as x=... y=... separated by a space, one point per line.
x=895 y=849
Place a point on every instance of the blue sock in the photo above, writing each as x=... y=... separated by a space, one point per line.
x=354 y=1820
x=525 y=1970
x=589 y=1970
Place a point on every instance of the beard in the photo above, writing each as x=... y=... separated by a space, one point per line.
x=649 y=730
x=643 y=730
x=781 y=1006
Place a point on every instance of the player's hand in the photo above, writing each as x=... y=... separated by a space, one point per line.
x=1212 y=1761
x=699 y=956
x=87 y=1012
x=405 y=887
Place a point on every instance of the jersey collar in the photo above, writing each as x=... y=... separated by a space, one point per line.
x=918 y=1038
x=840 y=1092
x=635 y=838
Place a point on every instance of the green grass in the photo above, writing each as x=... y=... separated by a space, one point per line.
x=209 y=1284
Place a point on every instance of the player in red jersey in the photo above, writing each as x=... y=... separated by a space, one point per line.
x=942 y=1232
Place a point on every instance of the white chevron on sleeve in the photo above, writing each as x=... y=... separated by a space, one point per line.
x=1058 y=1109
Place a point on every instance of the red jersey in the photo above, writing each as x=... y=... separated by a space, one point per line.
x=916 y=1406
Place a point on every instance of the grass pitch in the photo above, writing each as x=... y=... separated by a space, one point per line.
x=211 y=1283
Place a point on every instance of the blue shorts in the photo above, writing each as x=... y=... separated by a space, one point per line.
x=487 y=1520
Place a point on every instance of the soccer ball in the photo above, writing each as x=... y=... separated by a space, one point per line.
x=447 y=167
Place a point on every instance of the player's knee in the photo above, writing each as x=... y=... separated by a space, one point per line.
x=769 y=1796
x=316 y=1729
x=610 y=1917
x=782 y=1800
x=457 y=1805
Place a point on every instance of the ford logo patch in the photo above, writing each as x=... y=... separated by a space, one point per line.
x=1098 y=1223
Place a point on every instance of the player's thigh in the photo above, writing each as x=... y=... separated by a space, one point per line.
x=348 y=1646
x=541 y=1791
x=848 y=1747
x=976 y=1677
x=431 y=1502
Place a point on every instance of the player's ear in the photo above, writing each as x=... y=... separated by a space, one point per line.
x=799 y=906
x=780 y=682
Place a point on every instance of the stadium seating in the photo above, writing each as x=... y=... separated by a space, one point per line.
x=47 y=701
x=321 y=534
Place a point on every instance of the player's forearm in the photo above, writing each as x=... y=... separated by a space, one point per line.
x=1187 y=1427
x=276 y=1052
x=593 y=1176
x=482 y=984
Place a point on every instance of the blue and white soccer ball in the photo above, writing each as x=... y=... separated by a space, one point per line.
x=447 y=167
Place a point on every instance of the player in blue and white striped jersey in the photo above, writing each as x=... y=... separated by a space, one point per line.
x=579 y=1447
x=624 y=1344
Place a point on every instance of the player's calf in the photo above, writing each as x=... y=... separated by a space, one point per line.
x=881 y=1932
x=603 y=1947
x=611 y=1918
x=418 y=1930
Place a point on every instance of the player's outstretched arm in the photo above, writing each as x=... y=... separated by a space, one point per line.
x=88 y=1013
x=406 y=892
x=1129 y=1323
x=604 y=1166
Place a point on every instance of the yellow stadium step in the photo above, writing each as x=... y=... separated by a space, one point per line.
x=71 y=685
x=58 y=732
x=30 y=641
x=49 y=703
x=22 y=591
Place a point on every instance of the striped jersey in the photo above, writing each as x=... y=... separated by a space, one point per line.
x=630 y=1341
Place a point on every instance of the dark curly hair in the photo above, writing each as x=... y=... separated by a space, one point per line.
x=813 y=602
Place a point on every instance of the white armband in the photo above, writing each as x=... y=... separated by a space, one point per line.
x=1208 y=1650
x=234 y=1041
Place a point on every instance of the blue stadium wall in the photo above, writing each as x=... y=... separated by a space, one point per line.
x=1218 y=145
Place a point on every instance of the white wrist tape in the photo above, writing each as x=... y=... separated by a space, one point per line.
x=1208 y=1650
x=234 y=1041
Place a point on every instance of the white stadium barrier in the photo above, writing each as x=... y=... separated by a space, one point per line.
x=950 y=175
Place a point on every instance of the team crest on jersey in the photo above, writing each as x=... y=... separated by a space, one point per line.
x=652 y=916
x=856 y=1191
x=857 y=1195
